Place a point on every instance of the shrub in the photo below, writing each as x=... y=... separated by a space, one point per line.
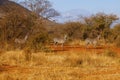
x=117 y=42
x=38 y=42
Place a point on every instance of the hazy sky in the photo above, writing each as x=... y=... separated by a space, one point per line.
x=92 y=6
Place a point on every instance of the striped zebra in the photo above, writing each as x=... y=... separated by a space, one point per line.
x=21 y=42
x=92 y=41
x=60 y=40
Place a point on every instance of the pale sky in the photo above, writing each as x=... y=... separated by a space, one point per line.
x=92 y=6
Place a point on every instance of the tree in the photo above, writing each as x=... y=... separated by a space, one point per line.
x=115 y=37
x=74 y=30
x=100 y=23
x=40 y=7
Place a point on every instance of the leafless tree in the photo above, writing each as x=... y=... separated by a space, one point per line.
x=40 y=7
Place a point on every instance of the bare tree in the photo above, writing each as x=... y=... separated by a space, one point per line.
x=40 y=7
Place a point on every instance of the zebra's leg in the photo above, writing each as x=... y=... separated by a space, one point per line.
x=55 y=43
x=87 y=45
x=95 y=44
x=62 y=46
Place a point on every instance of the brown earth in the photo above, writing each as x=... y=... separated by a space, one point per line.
x=81 y=48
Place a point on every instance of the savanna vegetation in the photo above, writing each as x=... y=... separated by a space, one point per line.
x=41 y=30
x=26 y=34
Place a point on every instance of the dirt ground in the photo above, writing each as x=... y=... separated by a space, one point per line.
x=81 y=48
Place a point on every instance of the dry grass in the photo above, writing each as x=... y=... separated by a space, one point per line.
x=60 y=66
x=77 y=42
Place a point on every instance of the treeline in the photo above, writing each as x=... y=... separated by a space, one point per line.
x=14 y=26
x=90 y=27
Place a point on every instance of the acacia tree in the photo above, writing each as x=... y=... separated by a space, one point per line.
x=40 y=7
x=100 y=24
x=116 y=35
x=73 y=29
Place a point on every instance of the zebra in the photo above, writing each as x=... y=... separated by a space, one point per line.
x=92 y=41
x=21 y=41
x=60 y=40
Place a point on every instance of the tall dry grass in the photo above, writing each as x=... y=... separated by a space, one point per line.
x=57 y=65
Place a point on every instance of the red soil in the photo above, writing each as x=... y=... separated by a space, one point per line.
x=81 y=48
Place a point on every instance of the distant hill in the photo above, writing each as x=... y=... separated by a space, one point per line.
x=7 y=6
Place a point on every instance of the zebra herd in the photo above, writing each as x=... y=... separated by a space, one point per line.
x=88 y=41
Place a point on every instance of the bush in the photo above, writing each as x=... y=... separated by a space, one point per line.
x=38 y=42
x=117 y=42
